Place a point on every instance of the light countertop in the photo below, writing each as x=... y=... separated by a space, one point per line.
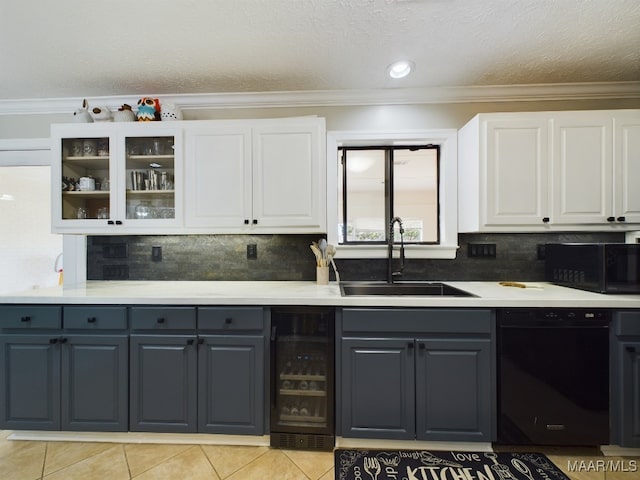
x=488 y=295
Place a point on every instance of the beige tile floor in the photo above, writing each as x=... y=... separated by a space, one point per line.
x=29 y=460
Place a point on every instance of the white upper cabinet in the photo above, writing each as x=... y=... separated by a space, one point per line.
x=545 y=171
x=218 y=175
x=582 y=167
x=626 y=166
x=116 y=178
x=261 y=176
x=288 y=176
x=235 y=176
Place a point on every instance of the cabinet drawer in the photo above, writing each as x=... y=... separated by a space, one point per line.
x=30 y=316
x=416 y=320
x=628 y=323
x=95 y=318
x=163 y=318
x=240 y=318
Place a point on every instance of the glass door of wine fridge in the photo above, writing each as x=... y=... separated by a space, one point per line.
x=302 y=378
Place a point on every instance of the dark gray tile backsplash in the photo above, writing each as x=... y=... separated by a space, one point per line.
x=288 y=257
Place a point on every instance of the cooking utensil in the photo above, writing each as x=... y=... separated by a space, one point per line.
x=322 y=244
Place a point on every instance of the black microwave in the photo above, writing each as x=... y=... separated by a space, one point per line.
x=597 y=267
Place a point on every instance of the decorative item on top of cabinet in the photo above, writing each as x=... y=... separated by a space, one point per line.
x=82 y=115
x=170 y=112
x=101 y=114
x=148 y=110
x=124 y=114
x=549 y=171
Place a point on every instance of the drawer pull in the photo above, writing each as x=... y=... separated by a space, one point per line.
x=25 y=319
x=64 y=340
x=91 y=319
x=200 y=341
x=161 y=320
x=190 y=341
x=545 y=220
x=611 y=219
x=622 y=219
x=228 y=321
x=53 y=341
x=410 y=345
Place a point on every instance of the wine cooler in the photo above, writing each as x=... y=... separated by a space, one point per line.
x=302 y=378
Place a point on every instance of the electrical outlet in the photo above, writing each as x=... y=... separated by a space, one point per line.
x=252 y=251
x=156 y=254
x=486 y=250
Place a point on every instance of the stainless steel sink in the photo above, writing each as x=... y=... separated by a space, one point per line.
x=418 y=289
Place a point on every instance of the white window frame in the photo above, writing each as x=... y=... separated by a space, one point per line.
x=447 y=139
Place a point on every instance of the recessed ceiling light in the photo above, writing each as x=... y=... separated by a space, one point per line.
x=400 y=69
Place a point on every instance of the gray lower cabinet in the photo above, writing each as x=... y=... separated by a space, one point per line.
x=69 y=379
x=163 y=379
x=420 y=374
x=625 y=381
x=30 y=382
x=208 y=379
x=231 y=384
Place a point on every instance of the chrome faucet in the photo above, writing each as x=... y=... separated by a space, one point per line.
x=390 y=272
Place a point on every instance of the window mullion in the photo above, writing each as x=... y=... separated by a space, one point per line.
x=388 y=196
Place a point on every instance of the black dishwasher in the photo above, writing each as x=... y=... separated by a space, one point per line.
x=553 y=376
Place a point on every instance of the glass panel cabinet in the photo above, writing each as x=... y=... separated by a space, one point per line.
x=116 y=177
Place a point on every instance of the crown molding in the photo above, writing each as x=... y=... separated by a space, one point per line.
x=330 y=98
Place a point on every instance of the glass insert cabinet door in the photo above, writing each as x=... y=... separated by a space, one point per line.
x=150 y=178
x=115 y=176
x=86 y=179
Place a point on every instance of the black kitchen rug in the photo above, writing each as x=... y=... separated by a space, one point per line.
x=440 y=465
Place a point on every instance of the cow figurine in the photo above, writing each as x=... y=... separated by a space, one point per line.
x=101 y=114
x=148 y=109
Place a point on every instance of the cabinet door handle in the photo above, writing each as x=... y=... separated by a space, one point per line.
x=546 y=220
x=190 y=341
x=246 y=221
x=109 y=222
x=25 y=319
x=118 y=222
x=410 y=345
x=53 y=341
x=421 y=347
x=64 y=340
x=91 y=320
x=200 y=341
x=160 y=320
x=621 y=219
x=255 y=221
x=631 y=349
x=228 y=321
x=611 y=219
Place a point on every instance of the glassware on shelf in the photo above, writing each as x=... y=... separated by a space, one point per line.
x=143 y=211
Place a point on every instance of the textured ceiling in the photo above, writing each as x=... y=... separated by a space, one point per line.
x=88 y=48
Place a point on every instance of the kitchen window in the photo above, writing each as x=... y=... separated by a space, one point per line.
x=376 y=184
x=376 y=175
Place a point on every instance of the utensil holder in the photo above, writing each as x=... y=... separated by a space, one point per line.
x=322 y=275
